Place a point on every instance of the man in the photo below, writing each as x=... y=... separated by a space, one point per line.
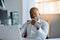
x=35 y=28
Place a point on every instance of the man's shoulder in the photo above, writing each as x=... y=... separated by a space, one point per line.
x=43 y=21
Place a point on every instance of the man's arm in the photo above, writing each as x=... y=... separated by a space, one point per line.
x=44 y=28
x=36 y=25
x=24 y=30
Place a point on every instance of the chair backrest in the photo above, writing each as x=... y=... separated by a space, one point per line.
x=48 y=21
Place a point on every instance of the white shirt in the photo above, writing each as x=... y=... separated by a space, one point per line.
x=33 y=32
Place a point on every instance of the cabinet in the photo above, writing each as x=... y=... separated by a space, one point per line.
x=3 y=17
x=14 y=18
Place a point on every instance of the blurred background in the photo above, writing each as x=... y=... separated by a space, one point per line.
x=14 y=13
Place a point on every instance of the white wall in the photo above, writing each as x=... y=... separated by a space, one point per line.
x=26 y=6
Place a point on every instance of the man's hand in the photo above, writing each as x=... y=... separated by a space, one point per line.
x=25 y=34
x=33 y=22
x=36 y=26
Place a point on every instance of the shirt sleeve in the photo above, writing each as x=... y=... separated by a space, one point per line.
x=43 y=28
x=24 y=27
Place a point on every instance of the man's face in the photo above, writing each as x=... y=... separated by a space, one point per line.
x=35 y=14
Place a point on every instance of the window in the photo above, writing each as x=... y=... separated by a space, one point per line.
x=48 y=6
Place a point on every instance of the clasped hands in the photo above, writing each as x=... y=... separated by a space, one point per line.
x=33 y=22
